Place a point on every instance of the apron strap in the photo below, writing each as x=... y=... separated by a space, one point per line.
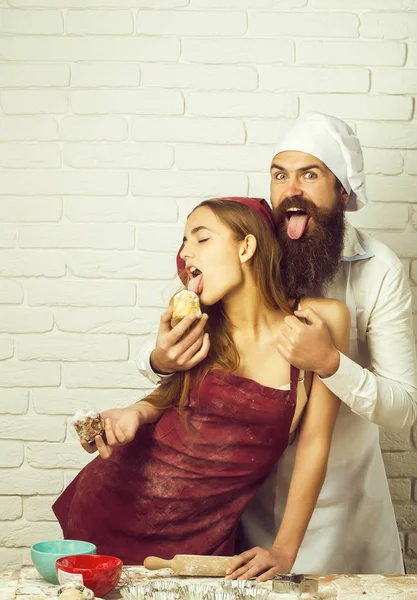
x=351 y=304
x=294 y=379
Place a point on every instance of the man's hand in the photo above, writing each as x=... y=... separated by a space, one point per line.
x=121 y=425
x=308 y=346
x=177 y=350
x=259 y=563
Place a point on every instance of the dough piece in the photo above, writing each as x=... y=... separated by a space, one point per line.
x=75 y=591
x=88 y=423
x=185 y=303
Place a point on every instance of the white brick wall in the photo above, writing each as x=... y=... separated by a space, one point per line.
x=116 y=116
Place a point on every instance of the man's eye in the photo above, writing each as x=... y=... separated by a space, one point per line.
x=310 y=175
x=280 y=176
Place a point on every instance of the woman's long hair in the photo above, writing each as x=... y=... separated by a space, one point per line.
x=265 y=266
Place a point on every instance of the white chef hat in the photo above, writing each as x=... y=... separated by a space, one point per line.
x=336 y=145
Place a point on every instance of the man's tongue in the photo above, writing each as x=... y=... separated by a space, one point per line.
x=196 y=284
x=297 y=225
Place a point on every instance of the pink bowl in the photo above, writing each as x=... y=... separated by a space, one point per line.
x=99 y=572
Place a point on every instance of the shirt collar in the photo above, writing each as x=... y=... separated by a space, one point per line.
x=354 y=248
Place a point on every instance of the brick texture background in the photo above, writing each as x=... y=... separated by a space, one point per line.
x=117 y=116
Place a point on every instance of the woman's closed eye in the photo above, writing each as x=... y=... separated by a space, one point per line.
x=203 y=240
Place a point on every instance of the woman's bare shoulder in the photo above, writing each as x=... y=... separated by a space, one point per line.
x=330 y=310
x=335 y=315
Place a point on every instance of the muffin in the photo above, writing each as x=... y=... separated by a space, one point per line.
x=88 y=423
x=185 y=303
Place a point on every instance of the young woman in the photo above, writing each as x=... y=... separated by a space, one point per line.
x=202 y=443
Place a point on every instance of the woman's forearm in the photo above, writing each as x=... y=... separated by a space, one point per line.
x=306 y=482
x=148 y=413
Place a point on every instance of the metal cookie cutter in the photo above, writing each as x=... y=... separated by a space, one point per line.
x=294 y=584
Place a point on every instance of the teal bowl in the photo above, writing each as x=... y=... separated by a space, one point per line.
x=45 y=554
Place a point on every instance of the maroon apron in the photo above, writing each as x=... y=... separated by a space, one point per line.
x=181 y=489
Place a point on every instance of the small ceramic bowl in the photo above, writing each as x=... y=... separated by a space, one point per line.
x=100 y=573
x=45 y=554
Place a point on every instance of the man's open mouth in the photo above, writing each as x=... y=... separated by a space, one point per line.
x=297 y=221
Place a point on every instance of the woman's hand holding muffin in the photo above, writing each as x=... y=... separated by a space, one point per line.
x=120 y=425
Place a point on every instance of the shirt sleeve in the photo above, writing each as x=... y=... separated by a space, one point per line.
x=386 y=392
x=145 y=368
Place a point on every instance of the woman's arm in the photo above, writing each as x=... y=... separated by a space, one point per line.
x=310 y=466
x=121 y=426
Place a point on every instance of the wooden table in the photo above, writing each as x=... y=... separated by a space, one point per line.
x=27 y=584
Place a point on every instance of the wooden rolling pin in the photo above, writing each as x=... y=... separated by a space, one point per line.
x=191 y=564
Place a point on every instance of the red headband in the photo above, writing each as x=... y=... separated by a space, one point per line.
x=259 y=204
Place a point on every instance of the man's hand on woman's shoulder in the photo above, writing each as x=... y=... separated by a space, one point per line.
x=312 y=338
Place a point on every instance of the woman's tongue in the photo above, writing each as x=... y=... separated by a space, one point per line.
x=296 y=226
x=196 y=284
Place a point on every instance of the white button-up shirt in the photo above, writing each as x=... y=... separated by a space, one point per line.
x=381 y=385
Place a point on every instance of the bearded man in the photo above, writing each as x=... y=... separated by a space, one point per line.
x=317 y=174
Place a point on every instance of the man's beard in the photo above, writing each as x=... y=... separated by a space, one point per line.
x=309 y=264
